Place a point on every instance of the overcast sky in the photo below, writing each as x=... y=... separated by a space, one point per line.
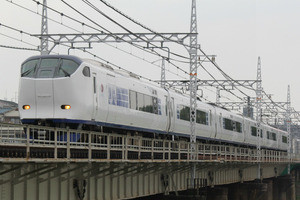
x=237 y=31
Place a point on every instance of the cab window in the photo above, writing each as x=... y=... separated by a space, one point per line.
x=49 y=63
x=67 y=68
x=29 y=68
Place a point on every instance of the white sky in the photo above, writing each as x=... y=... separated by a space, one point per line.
x=237 y=31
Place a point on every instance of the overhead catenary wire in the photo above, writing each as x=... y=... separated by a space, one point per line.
x=104 y=28
x=126 y=29
x=19 y=40
x=23 y=7
x=38 y=3
x=14 y=29
x=147 y=28
x=100 y=30
x=135 y=45
x=83 y=24
x=152 y=51
x=19 y=48
x=224 y=72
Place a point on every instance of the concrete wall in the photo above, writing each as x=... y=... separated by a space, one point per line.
x=119 y=180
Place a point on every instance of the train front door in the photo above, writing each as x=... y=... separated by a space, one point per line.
x=95 y=96
x=44 y=88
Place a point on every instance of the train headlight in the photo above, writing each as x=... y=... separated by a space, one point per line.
x=65 y=107
x=26 y=107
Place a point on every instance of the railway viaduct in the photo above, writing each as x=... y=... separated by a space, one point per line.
x=50 y=163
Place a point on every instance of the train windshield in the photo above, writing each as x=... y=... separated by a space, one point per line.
x=29 y=68
x=48 y=68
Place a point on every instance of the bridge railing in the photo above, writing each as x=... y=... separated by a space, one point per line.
x=34 y=142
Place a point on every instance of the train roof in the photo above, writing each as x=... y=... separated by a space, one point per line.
x=69 y=57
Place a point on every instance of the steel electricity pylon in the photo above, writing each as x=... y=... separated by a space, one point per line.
x=193 y=87
x=288 y=126
x=44 y=30
x=258 y=115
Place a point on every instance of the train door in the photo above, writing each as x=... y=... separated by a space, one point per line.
x=218 y=125
x=44 y=88
x=44 y=99
x=95 y=96
x=172 y=114
x=102 y=98
x=212 y=123
x=167 y=111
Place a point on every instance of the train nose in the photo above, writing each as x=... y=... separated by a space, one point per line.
x=44 y=99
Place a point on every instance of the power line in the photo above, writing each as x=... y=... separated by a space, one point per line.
x=126 y=29
x=14 y=29
x=20 y=6
x=19 y=48
x=82 y=23
x=106 y=29
x=135 y=45
x=138 y=23
x=19 y=40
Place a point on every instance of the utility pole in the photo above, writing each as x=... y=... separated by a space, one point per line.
x=249 y=108
x=258 y=116
x=44 y=30
x=288 y=127
x=163 y=74
x=218 y=95
x=193 y=87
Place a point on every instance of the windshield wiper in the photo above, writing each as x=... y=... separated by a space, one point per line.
x=65 y=72
x=27 y=72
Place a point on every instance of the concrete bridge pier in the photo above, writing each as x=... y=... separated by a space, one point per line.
x=248 y=191
x=284 y=188
x=269 y=193
x=217 y=193
x=280 y=188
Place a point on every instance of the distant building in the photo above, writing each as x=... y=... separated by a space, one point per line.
x=7 y=104
x=9 y=112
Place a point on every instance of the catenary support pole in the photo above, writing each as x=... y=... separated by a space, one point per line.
x=44 y=30
x=193 y=87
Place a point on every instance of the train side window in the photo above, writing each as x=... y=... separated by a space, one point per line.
x=253 y=131
x=284 y=139
x=268 y=135
x=132 y=99
x=271 y=136
x=122 y=97
x=140 y=101
x=184 y=112
x=148 y=104
x=238 y=127
x=274 y=137
x=201 y=117
x=86 y=71
x=28 y=69
x=158 y=106
x=228 y=124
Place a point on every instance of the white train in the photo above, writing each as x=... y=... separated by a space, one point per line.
x=70 y=91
